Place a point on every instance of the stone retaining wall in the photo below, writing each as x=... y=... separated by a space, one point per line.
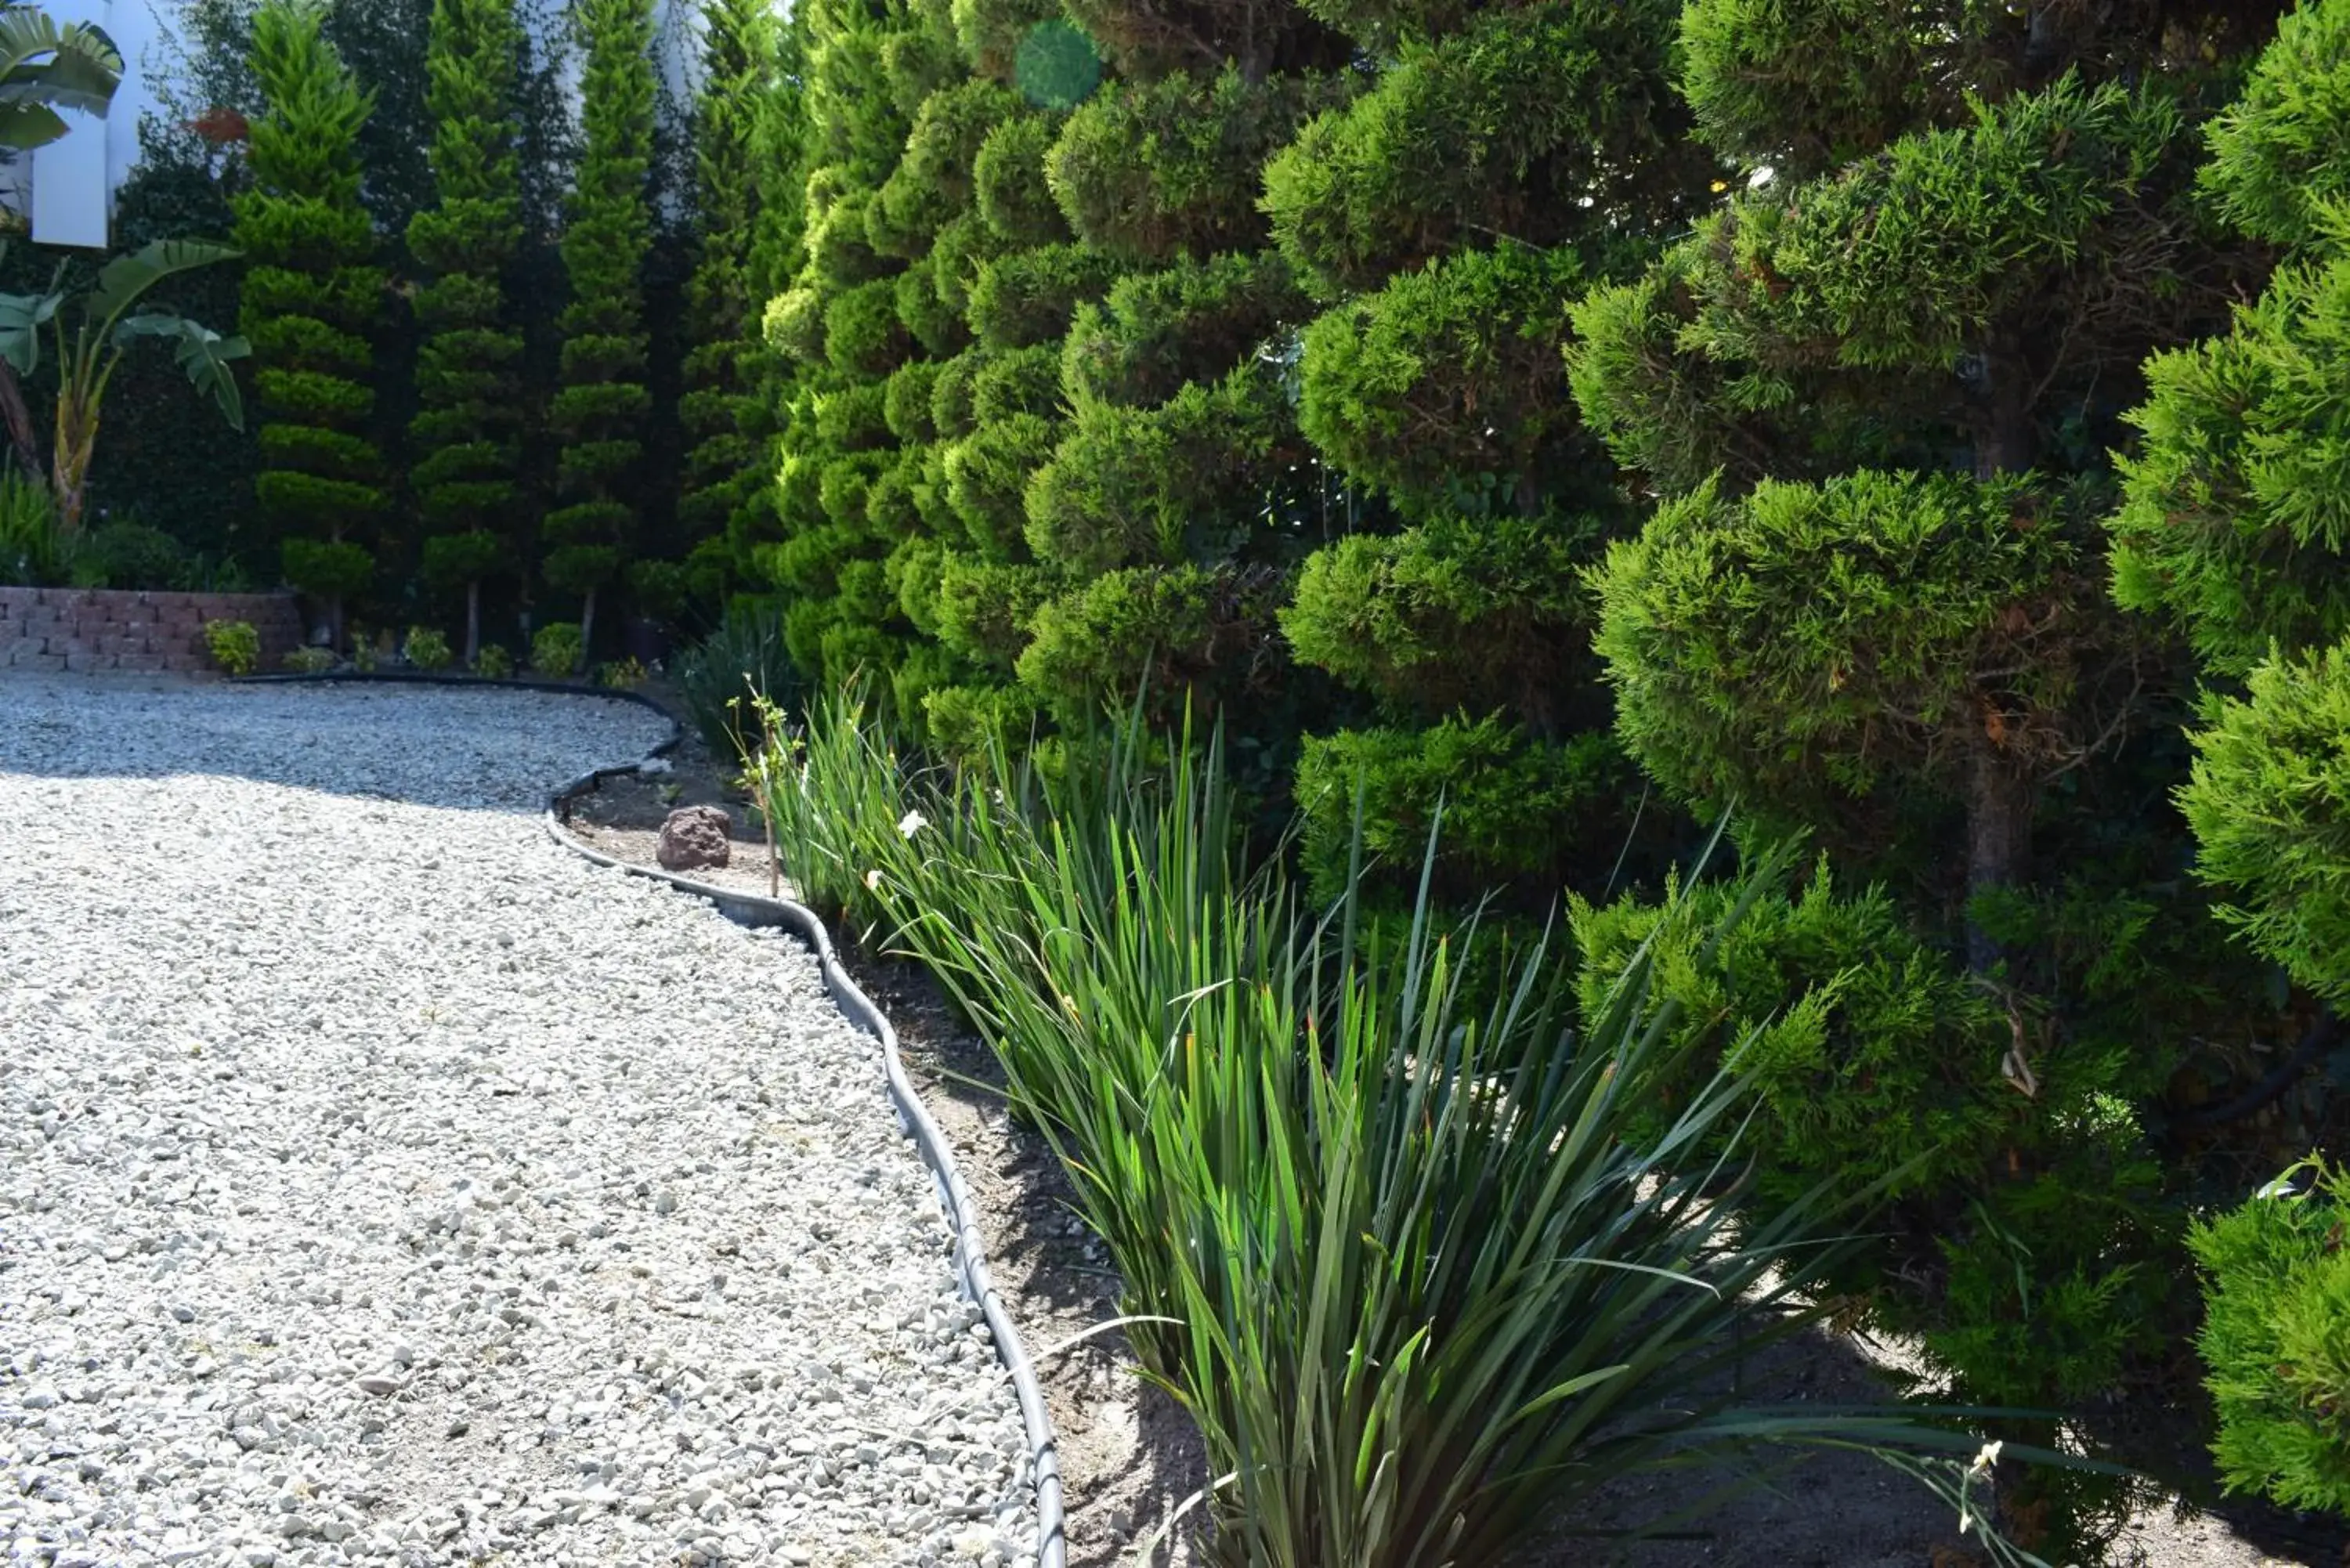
x=77 y=629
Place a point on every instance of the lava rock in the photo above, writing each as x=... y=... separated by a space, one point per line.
x=695 y=836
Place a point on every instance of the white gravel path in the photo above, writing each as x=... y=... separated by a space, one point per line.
x=380 y=1183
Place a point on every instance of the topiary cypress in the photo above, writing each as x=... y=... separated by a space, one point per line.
x=467 y=374
x=2236 y=520
x=723 y=304
x=1876 y=388
x=779 y=167
x=1164 y=515
x=875 y=499
x=312 y=295
x=2276 y=1338
x=602 y=407
x=2235 y=511
x=1432 y=381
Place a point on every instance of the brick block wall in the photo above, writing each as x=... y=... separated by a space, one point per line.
x=91 y=630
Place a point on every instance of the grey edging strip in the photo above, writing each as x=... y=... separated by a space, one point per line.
x=754 y=909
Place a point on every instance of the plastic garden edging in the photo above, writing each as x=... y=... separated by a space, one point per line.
x=756 y=910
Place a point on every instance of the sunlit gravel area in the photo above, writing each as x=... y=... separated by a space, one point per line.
x=380 y=1183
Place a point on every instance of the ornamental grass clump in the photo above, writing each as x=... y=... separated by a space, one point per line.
x=1414 y=1255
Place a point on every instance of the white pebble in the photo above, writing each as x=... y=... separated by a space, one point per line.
x=386 y=1184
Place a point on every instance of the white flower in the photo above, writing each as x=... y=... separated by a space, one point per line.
x=911 y=824
x=1985 y=1457
x=873 y=880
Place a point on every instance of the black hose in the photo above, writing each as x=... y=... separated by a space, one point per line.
x=753 y=909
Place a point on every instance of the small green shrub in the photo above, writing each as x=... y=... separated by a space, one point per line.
x=620 y=674
x=555 y=650
x=235 y=645
x=364 y=654
x=494 y=663
x=309 y=661
x=428 y=649
x=2276 y=1338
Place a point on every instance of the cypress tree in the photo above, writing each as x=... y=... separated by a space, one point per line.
x=602 y=404
x=959 y=508
x=719 y=408
x=1958 y=293
x=467 y=382
x=1433 y=383
x=889 y=167
x=779 y=133
x=1876 y=389
x=2235 y=525
x=1165 y=515
x=311 y=296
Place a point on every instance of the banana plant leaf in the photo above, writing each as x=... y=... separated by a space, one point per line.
x=121 y=281
x=202 y=352
x=46 y=67
x=22 y=319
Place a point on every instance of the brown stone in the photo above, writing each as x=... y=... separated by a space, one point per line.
x=694 y=836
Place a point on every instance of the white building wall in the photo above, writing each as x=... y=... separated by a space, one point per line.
x=68 y=182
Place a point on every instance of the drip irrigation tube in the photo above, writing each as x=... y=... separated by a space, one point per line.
x=754 y=910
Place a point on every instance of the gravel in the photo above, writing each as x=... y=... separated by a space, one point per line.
x=379 y=1183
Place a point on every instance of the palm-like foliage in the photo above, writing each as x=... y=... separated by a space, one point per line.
x=46 y=67
x=92 y=330
x=1408 y=1248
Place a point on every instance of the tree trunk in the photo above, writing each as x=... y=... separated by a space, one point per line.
x=69 y=464
x=2000 y=802
x=20 y=422
x=2005 y=443
x=587 y=627
x=472 y=621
